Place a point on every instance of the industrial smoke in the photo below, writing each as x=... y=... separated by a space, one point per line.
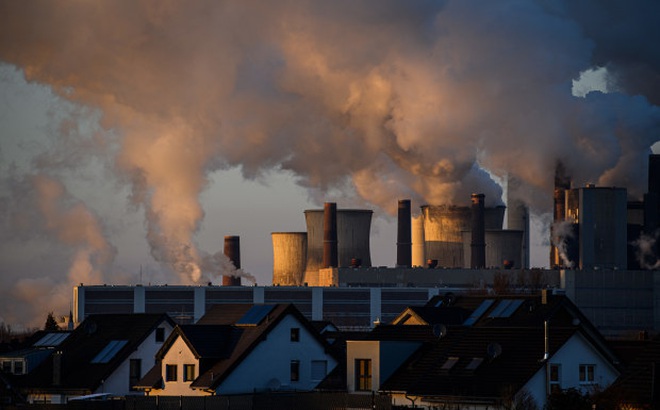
x=424 y=100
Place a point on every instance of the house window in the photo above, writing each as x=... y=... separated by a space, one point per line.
x=363 y=374
x=188 y=372
x=319 y=369
x=555 y=378
x=587 y=373
x=6 y=366
x=134 y=373
x=170 y=372
x=295 y=370
x=18 y=367
x=295 y=334
x=160 y=335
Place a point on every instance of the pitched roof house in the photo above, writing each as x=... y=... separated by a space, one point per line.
x=487 y=352
x=237 y=349
x=105 y=354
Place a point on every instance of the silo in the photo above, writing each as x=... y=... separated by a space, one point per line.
x=289 y=257
x=443 y=225
x=501 y=246
x=233 y=252
x=417 y=228
x=353 y=235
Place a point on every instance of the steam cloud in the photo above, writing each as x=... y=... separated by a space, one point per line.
x=380 y=99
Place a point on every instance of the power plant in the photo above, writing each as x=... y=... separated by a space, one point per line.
x=600 y=243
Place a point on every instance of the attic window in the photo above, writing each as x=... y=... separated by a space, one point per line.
x=109 y=351
x=449 y=363
x=476 y=315
x=476 y=361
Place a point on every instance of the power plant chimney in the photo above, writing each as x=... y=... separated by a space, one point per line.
x=478 y=244
x=330 y=259
x=233 y=252
x=562 y=183
x=404 y=238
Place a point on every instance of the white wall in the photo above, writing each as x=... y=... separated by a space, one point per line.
x=576 y=351
x=270 y=360
x=118 y=382
x=178 y=354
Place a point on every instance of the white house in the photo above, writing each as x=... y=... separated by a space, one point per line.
x=105 y=354
x=238 y=349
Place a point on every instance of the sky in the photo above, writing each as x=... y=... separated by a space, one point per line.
x=135 y=135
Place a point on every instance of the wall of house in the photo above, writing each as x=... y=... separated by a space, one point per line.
x=268 y=365
x=575 y=352
x=178 y=354
x=118 y=382
x=362 y=349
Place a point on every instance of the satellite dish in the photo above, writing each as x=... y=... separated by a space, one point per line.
x=494 y=350
x=439 y=331
x=576 y=321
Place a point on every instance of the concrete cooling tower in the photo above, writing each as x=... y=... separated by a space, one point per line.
x=289 y=258
x=353 y=231
x=443 y=227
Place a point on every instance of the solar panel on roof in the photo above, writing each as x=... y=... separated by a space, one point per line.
x=500 y=308
x=478 y=312
x=255 y=315
x=515 y=304
x=109 y=351
x=51 y=339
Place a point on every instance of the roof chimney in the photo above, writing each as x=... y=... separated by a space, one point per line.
x=57 y=368
x=330 y=259
x=478 y=244
x=233 y=252
x=404 y=236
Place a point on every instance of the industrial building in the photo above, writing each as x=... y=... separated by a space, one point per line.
x=326 y=272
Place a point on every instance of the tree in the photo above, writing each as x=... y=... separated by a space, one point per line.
x=51 y=324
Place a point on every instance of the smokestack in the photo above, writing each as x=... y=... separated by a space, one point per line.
x=233 y=252
x=330 y=235
x=404 y=238
x=562 y=183
x=478 y=245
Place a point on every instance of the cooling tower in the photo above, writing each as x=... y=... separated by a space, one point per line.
x=501 y=246
x=233 y=252
x=478 y=243
x=418 y=256
x=353 y=232
x=289 y=258
x=443 y=225
x=403 y=239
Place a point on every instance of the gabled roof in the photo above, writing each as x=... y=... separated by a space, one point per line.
x=482 y=362
x=204 y=341
x=92 y=352
x=248 y=337
x=638 y=384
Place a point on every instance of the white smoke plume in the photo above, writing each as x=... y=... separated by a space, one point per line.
x=380 y=100
x=646 y=251
x=562 y=233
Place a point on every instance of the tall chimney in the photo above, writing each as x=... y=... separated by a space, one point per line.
x=233 y=252
x=478 y=244
x=330 y=259
x=404 y=236
x=562 y=183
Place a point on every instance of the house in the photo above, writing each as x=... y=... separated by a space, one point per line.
x=105 y=354
x=23 y=361
x=486 y=352
x=236 y=349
